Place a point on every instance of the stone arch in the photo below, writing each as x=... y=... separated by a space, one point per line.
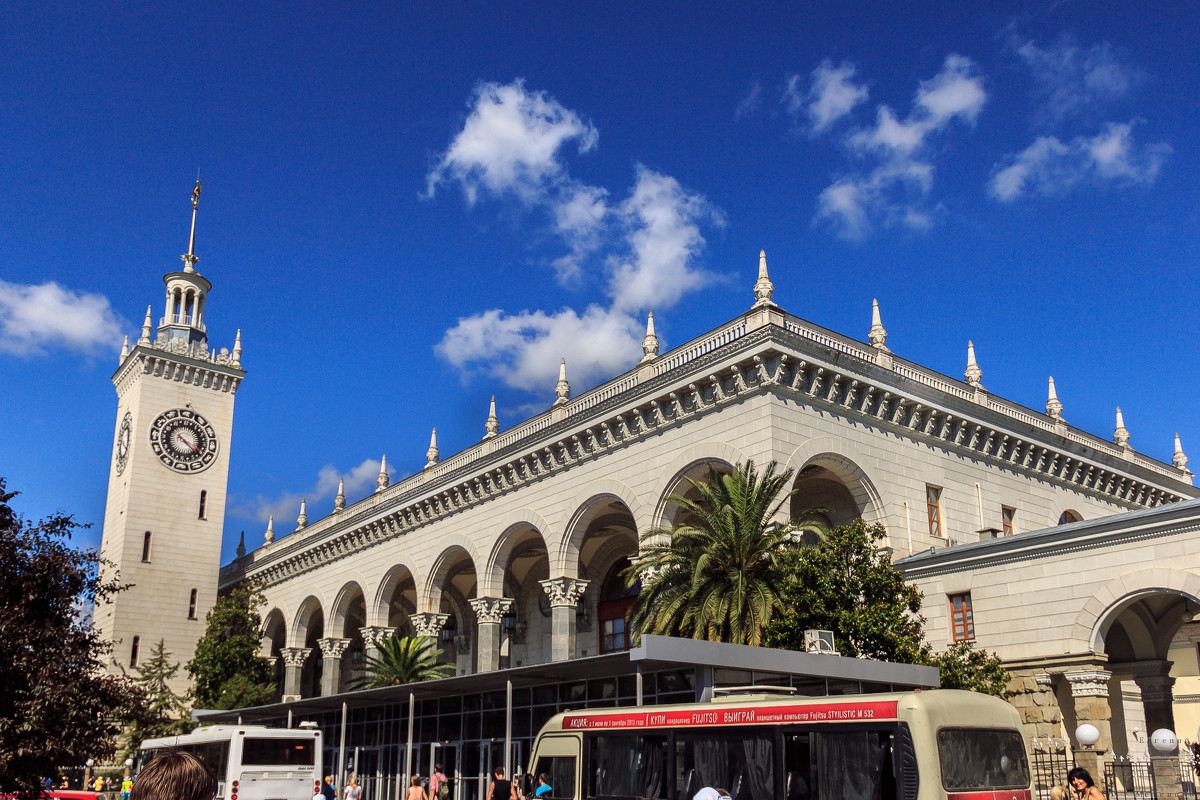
x=351 y=590
x=566 y=562
x=379 y=609
x=305 y=616
x=1068 y=516
x=430 y=596
x=1110 y=600
x=690 y=460
x=274 y=630
x=830 y=455
x=491 y=576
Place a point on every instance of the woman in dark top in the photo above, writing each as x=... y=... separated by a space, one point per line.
x=500 y=788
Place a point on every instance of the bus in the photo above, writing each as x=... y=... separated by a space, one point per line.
x=939 y=744
x=251 y=762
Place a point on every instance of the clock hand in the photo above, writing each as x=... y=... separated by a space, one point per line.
x=181 y=438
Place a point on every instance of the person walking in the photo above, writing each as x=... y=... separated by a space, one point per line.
x=415 y=790
x=501 y=789
x=353 y=790
x=327 y=790
x=439 y=788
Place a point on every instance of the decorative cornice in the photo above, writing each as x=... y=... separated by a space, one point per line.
x=798 y=360
x=180 y=363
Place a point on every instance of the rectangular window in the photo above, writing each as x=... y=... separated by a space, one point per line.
x=982 y=759
x=146 y=547
x=1007 y=517
x=203 y=503
x=192 y=606
x=560 y=774
x=133 y=652
x=962 y=621
x=279 y=752
x=933 y=498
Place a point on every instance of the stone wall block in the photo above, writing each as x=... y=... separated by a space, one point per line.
x=1022 y=700
x=1032 y=715
x=1044 y=699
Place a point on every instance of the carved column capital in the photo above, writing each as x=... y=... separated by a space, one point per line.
x=564 y=592
x=1089 y=683
x=372 y=635
x=428 y=624
x=1155 y=688
x=490 y=609
x=295 y=656
x=333 y=648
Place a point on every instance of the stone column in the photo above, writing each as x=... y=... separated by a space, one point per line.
x=293 y=666
x=489 y=613
x=1089 y=688
x=564 y=594
x=1156 y=684
x=331 y=666
x=372 y=635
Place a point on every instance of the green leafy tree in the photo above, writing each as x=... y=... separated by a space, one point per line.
x=716 y=574
x=964 y=667
x=57 y=706
x=401 y=659
x=242 y=692
x=846 y=584
x=229 y=649
x=162 y=712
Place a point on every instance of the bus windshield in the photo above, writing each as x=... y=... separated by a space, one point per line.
x=279 y=752
x=982 y=758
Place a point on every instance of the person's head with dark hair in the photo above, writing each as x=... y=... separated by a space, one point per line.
x=1081 y=774
x=437 y=767
x=174 y=775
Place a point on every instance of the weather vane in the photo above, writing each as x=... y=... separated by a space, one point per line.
x=196 y=193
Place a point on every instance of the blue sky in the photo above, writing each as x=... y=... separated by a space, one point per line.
x=409 y=207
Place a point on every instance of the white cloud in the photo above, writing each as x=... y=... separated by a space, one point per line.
x=750 y=102
x=644 y=246
x=1051 y=167
x=511 y=142
x=832 y=95
x=894 y=191
x=360 y=482
x=1071 y=78
x=35 y=318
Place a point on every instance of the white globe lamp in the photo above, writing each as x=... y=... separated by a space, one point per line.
x=1164 y=741
x=1087 y=735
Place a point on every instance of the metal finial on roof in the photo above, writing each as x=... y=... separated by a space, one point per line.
x=190 y=258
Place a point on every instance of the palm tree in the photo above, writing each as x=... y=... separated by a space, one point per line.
x=402 y=659
x=715 y=574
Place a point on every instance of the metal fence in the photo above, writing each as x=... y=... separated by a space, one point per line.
x=1052 y=760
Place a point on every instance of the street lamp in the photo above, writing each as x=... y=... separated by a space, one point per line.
x=1087 y=735
x=128 y=768
x=1164 y=741
x=87 y=774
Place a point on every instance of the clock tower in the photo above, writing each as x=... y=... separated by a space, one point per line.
x=167 y=478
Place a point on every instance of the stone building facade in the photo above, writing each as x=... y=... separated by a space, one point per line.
x=509 y=551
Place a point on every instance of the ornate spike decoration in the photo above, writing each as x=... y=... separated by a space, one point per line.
x=764 y=290
x=1121 y=434
x=432 y=455
x=302 y=520
x=147 y=329
x=382 y=480
x=339 y=502
x=650 y=343
x=562 y=389
x=269 y=536
x=877 y=337
x=124 y=351
x=973 y=374
x=190 y=258
x=1053 y=407
x=492 y=426
x=241 y=548
x=236 y=355
x=1179 y=460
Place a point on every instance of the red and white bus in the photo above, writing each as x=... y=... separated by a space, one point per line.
x=251 y=762
x=923 y=745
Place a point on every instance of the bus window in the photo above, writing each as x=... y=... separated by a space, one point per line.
x=629 y=765
x=741 y=762
x=855 y=765
x=278 y=752
x=797 y=766
x=560 y=773
x=982 y=758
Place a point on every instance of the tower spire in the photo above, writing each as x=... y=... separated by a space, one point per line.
x=1054 y=408
x=877 y=336
x=764 y=290
x=491 y=425
x=650 y=342
x=190 y=258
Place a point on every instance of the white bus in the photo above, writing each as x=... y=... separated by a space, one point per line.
x=251 y=762
x=922 y=745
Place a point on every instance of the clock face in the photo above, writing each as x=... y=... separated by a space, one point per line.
x=124 y=439
x=183 y=440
